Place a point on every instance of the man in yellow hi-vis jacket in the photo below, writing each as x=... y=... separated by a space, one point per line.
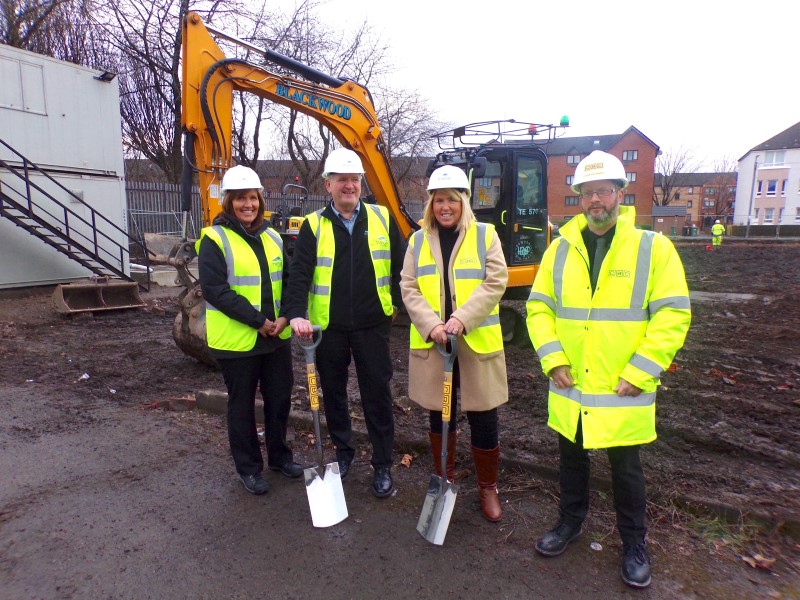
x=608 y=310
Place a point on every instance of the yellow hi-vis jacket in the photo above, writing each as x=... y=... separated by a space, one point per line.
x=244 y=278
x=469 y=270
x=630 y=328
x=717 y=229
x=319 y=297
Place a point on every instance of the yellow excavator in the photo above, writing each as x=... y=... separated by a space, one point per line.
x=508 y=175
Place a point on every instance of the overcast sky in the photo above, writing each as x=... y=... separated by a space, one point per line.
x=716 y=77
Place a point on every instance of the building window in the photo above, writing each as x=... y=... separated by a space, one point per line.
x=629 y=200
x=768 y=213
x=629 y=155
x=774 y=158
x=570 y=179
x=688 y=204
x=573 y=159
x=797 y=215
x=780 y=215
x=690 y=190
x=783 y=188
x=731 y=190
x=755 y=216
x=710 y=191
x=571 y=201
x=631 y=177
x=677 y=195
x=708 y=203
x=758 y=188
x=772 y=185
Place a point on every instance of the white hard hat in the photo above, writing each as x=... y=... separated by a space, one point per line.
x=717 y=222
x=448 y=177
x=598 y=166
x=343 y=160
x=241 y=178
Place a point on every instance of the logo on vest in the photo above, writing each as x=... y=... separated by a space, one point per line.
x=382 y=241
x=624 y=273
x=468 y=260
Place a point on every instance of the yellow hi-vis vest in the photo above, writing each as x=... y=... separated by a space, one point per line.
x=630 y=328
x=469 y=271
x=244 y=278
x=319 y=296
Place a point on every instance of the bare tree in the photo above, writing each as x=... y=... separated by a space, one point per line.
x=671 y=170
x=63 y=29
x=721 y=189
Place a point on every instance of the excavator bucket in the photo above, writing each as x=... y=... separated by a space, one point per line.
x=96 y=296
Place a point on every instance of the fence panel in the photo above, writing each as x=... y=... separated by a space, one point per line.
x=156 y=208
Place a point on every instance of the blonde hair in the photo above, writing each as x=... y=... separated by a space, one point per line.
x=227 y=207
x=467 y=216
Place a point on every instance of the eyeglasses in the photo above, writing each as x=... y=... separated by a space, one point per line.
x=603 y=194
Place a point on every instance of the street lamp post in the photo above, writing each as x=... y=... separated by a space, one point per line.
x=752 y=194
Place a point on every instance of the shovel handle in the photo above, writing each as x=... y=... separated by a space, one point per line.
x=449 y=357
x=310 y=347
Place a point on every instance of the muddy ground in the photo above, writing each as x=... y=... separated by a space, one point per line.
x=106 y=494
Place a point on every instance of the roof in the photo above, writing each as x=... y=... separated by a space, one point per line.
x=698 y=179
x=669 y=211
x=588 y=143
x=785 y=140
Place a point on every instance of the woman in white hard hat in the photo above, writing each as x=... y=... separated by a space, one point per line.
x=453 y=277
x=241 y=265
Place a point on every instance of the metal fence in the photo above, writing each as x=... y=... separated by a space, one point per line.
x=156 y=208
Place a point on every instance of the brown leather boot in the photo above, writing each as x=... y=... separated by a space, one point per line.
x=436 y=451
x=487 y=465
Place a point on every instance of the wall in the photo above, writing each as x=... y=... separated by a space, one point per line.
x=61 y=117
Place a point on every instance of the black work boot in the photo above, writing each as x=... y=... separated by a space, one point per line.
x=555 y=541
x=635 y=565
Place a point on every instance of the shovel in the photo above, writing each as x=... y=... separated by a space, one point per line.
x=323 y=482
x=441 y=496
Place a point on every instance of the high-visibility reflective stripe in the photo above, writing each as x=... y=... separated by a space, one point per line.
x=378 y=214
x=645 y=364
x=324 y=261
x=228 y=252
x=603 y=400
x=276 y=276
x=384 y=280
x=381 y=255
x=543 y=298
x=426 y=270
x=682 y=302
x=320 y=290
x=549 y=348
x=490 y=320
x=639 y=294
x=470 y=273
x=634 y=314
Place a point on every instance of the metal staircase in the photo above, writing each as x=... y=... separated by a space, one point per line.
x=64 y=221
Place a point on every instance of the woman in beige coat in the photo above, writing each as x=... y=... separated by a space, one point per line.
x=467 y=303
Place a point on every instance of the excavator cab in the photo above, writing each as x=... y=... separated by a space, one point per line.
x=507 y=168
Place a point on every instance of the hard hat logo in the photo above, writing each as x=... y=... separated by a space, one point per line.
x=343 y=160
x=599 y=166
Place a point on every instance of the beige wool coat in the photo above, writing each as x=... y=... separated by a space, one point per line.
x=483 y=380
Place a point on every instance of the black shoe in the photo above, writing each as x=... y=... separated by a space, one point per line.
x=382 y=485
x=289 y=469
x=254 y=484
x=344 y=467
x=635 y=565
x=555 y=541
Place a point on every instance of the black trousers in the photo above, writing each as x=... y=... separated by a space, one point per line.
x=369 y=349
x=271 y=372
x=483 y=425
x=627 y=481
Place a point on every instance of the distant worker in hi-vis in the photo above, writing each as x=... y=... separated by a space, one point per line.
x=717 y=231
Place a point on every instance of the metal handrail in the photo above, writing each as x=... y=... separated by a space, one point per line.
x=41 y=213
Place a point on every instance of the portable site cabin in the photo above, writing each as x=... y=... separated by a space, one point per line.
x=62 y=189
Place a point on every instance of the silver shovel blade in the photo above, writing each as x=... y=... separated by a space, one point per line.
x=325 y=495
x=437 y=509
